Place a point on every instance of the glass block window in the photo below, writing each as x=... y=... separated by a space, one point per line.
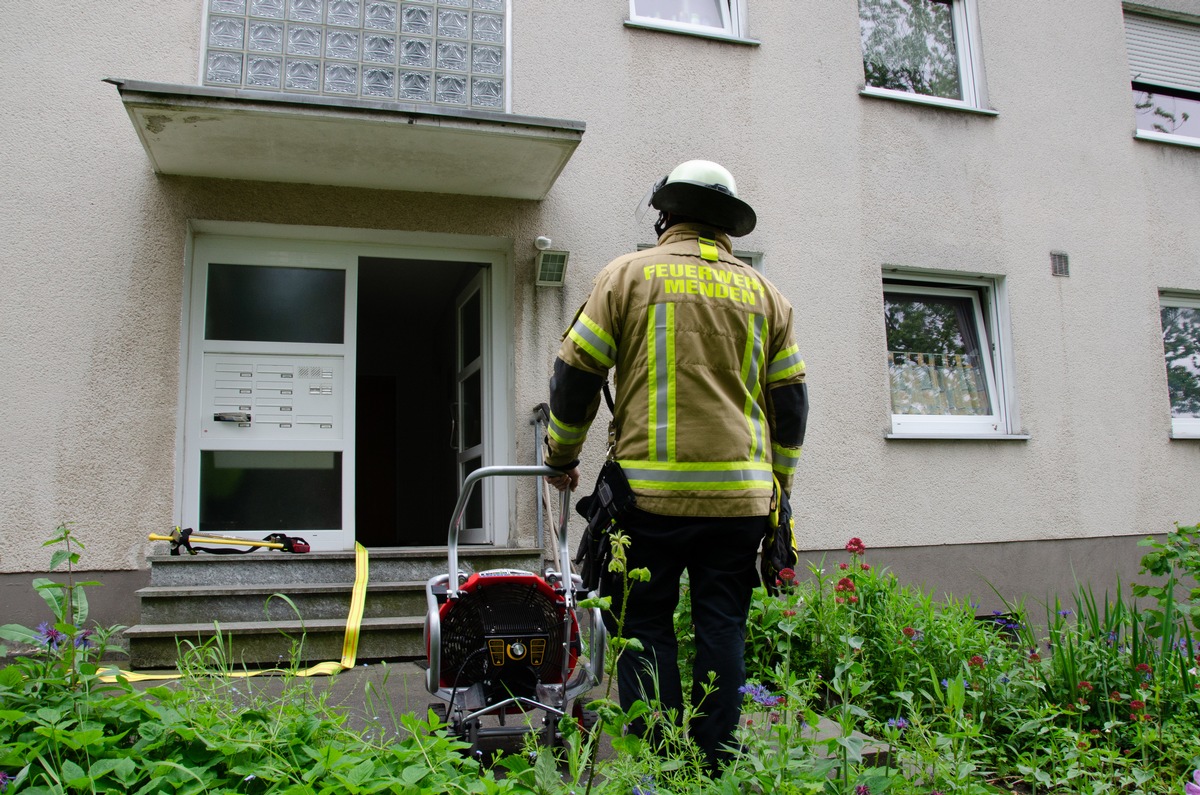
x=445 y=52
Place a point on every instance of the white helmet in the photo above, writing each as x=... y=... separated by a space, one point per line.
x=705 y=191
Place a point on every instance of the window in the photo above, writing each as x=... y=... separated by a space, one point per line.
x=448 y=52
x=924 y=50
x=705 y=17
x=944 y=366
x=1164 y=65
x=1181 y=349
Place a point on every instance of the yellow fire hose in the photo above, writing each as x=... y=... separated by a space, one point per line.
x=358 y=598
x=227 y=540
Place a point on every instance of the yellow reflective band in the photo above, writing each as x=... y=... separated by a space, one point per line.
x=587 y=334
x=672 y=423
x=652 y=386
x=565 y=433
x=708 y=250
x=698 y=475
x=751 y=362
x=786 y=363
x=660 y=382
x=785 y=459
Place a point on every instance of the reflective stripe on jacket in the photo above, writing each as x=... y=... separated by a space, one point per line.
x=709 y=385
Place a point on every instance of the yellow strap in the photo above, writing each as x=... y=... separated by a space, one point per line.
x=708 y=250
x=358 y=598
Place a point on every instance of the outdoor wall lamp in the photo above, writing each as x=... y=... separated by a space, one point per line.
x=551 y=265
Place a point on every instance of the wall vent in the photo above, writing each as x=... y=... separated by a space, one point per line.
x=1058 y=264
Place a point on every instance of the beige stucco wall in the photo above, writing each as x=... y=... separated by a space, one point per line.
x=92 y=249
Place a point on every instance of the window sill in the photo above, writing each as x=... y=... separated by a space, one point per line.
x=1167 y=138
x=702 y=34
x=922 y=99
x=954 y=437
x=1185 y=436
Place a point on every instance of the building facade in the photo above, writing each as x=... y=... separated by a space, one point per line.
x=274 y=264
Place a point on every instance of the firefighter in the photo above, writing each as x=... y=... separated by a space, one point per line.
x=710 y=408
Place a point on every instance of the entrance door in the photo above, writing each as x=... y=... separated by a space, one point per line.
x=420 y=423
x=469 y=415
x=341 y=391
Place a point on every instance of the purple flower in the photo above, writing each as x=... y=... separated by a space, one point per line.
x=862 y=789
x=644 y=787
x=760 y=695
x=50 y=636
x=897 y=723
x=84 y=639
x=5 y=778
x=1188 y=789
x=1064 y=613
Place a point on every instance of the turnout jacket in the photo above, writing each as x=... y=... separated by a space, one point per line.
x=710 y=396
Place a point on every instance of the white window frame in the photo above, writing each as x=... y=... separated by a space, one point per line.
x=1159 y=58
x=967 y=44
x=291 y=245
x=988 y=296
x=1181 y=427
x=733 y=18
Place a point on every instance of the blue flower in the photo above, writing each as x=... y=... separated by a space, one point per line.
x=49 y=636
x=1064 y=613
x=84 y=639
x=4 y=779
x=644 y=787
x=760 y=695
x=897 y=723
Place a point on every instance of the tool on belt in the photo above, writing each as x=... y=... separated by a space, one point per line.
x=183 y=538
x=610 y=502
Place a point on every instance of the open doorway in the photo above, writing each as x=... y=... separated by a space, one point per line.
x=414 y=418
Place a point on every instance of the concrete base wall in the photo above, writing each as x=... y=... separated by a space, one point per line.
x=114 y=602
x=1036 y=571
x=1033 y=570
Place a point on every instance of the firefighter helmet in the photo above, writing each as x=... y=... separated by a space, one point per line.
x=704 y=191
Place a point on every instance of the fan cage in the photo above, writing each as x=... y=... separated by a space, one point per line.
x=492 y=614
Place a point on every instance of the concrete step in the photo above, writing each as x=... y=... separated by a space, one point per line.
x=185 y=603
x=270 y=643
x=279 y=568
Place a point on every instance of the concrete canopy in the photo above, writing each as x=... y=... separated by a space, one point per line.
x=272 y=137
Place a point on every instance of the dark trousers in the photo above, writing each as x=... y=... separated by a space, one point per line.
x=719 y=555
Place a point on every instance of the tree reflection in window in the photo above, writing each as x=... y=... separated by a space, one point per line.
x=1181 y=347
x=908 y=45
x=1168 y=113
x=934 y=360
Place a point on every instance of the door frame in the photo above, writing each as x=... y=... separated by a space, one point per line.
x=494 y=253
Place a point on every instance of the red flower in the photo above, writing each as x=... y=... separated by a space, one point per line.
x=1034 y=657
x=1144 y=668
x=789 y=613
x=1086 y=686
x=843 y=566
x=840 y=601
x=855 y=546
x=844 y=584
x=853 y=600
x=976 y=661
x=1115 y=696
x=787 y=575
x=908 y=632
x=1137 y=704
x=866 y=567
